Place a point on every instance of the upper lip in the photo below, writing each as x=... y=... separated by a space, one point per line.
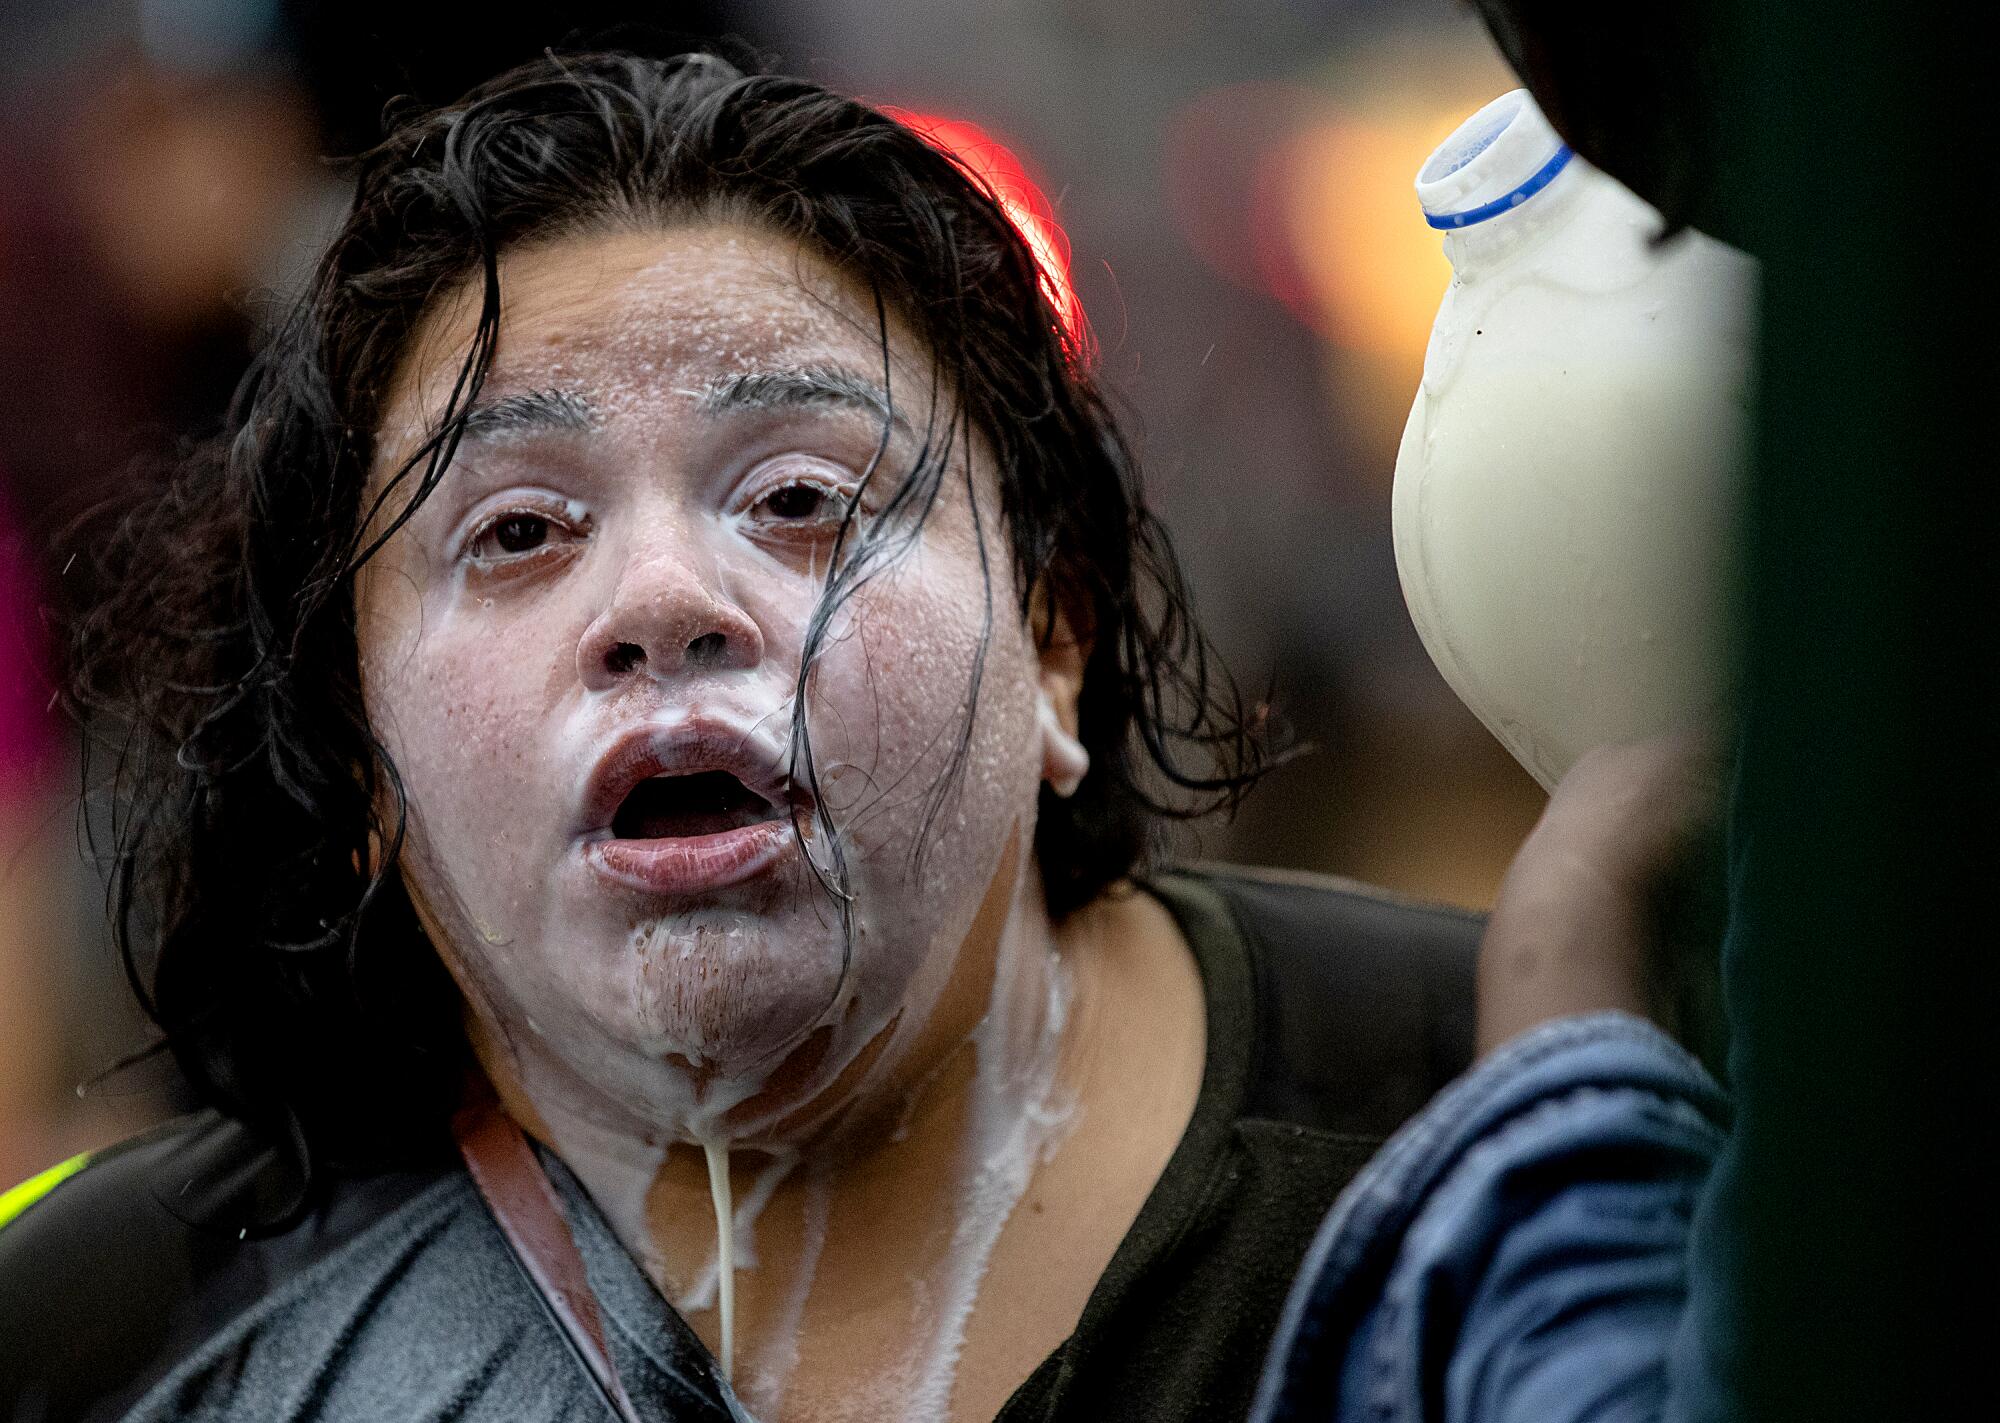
x=682 y=746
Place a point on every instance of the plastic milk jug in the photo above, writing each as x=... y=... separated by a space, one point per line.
x=1565 y=497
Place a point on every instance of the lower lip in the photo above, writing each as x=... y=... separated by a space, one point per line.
x=695 y=864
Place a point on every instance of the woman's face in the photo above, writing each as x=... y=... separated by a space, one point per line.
x=581 y=655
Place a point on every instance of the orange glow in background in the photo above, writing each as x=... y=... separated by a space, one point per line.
x=1303 y=190
x=1369 y=268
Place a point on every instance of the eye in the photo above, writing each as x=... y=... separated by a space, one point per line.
x=517 y=533
x=796 y=501
x=798 y=494
x=518 y=536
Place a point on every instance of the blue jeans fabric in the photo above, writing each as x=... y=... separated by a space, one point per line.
x=1521 y=1251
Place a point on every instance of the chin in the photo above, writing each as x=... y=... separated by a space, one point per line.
x=732 y=995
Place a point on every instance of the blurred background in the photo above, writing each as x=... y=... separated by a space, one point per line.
x=1233 y=178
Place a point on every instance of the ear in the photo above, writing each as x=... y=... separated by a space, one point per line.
x=370 y=865
x=1062 y=654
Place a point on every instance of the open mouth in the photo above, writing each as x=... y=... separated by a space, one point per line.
x=688 y=807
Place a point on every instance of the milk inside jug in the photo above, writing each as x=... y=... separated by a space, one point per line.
x=1565 y=496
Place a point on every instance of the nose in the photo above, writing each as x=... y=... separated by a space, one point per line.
x=665 y=619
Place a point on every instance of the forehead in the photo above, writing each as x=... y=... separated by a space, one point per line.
x=619 y=315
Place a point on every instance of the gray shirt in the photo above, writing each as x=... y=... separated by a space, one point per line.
x=425 y=1315
x=128 y=1292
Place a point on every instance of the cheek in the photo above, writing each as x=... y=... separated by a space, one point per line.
x=459 y=717
x=893 y=714
x=480 y=810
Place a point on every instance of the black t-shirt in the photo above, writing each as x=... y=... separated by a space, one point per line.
x=1333 y=1014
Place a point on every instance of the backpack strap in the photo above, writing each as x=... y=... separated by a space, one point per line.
x=517 y=1191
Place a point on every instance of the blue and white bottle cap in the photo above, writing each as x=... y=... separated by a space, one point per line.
x=1492 y=163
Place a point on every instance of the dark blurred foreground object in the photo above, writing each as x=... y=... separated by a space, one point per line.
x=1848 y=145
x=1860 y=167
x=1634 y=88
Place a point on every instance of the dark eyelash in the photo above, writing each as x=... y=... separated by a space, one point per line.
x=501 y=516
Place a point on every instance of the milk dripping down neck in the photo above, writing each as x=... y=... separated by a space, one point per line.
x=717 y=1153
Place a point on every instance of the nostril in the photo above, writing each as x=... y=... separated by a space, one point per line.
x=707 y=649
x=623 y=657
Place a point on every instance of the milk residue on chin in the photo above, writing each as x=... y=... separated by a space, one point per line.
x=1015 y=1114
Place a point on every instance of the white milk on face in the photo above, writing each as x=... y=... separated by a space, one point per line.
x=1565 y=492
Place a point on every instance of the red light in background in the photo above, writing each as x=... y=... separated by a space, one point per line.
x=1226 y=186
x=993 y=166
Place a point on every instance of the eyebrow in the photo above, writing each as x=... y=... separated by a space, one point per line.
x=798 y=388
x=539 y=412
x=534 y=412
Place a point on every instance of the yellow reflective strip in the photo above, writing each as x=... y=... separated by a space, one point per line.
x=13 y=1202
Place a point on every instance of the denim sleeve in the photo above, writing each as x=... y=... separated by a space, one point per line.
x=1519 y=1252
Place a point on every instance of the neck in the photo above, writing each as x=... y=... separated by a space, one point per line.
x=934 y=1155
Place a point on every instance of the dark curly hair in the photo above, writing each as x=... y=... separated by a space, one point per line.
x=256 y=899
